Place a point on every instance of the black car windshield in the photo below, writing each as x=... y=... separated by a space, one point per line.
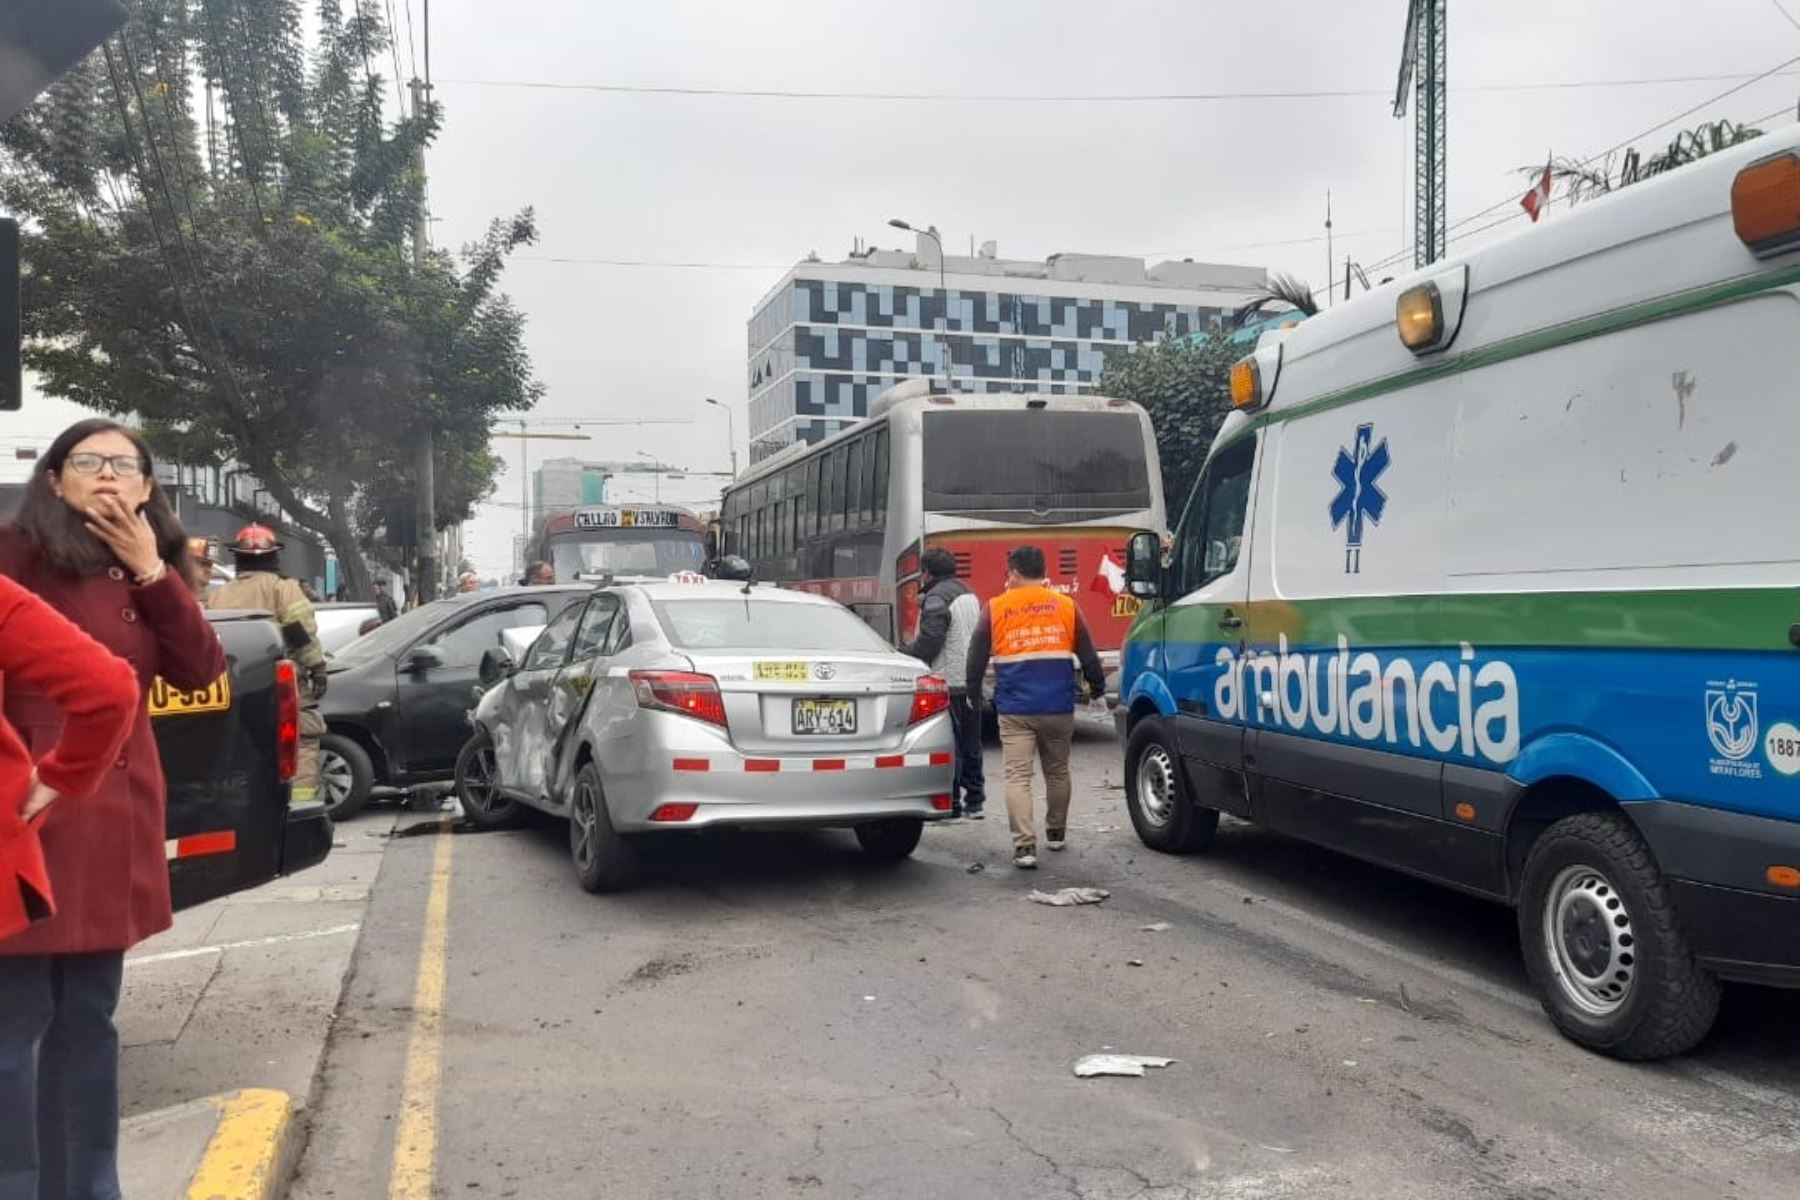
x=753 y=623
x=387 y=640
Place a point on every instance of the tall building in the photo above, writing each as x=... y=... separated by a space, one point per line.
x=829 y=337
x=560 y=483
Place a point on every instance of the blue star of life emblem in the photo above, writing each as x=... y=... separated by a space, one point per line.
x=1359 y=496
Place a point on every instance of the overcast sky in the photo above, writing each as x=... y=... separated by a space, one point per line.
x=756 y=183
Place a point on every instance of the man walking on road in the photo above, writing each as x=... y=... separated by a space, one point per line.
x=1033 y=634
x=259 y=585
x=948 y=612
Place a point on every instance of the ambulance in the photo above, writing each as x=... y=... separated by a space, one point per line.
x=1493 y=577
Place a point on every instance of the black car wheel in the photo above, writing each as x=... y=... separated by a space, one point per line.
x=1156 y=795
x=890 y=841
x=605 y=860
x=478 y=786
x=346 y=776
x=1603 y=944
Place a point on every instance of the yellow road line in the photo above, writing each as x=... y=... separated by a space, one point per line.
x=415 y=1141
x=245 y=1160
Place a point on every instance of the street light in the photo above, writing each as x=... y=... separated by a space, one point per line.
x=943 y=295
x=730 y=433
x=657 y=474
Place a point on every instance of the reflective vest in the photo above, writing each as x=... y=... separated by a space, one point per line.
x=1034 y=651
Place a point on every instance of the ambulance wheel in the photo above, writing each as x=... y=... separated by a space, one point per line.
x=346 y=776
x=478 y=786
x=1603 y=944
x=1164 y=815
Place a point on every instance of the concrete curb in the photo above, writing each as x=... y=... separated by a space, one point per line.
x=252 y=1150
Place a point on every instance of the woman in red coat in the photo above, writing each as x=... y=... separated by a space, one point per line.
x=96 y=539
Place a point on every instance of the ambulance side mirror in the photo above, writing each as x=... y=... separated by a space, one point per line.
x=1143 y=564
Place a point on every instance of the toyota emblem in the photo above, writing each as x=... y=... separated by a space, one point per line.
x=824 y=671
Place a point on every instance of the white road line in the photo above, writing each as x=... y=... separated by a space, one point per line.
x=197 y=951
x=1462 y=979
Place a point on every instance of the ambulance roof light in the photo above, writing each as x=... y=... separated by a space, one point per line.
x=1765 y=204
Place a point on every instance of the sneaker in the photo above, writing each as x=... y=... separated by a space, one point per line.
x=974 y=813
x=1056 y=839
x=1025 y=859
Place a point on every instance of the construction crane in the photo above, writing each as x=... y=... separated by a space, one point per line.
x=1424 y=67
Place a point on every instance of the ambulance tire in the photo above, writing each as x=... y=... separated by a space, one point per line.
x=1603 y=944
x=1156 y=794
x=346 y=776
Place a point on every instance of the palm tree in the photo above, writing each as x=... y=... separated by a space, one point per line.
x=1583 y=180
x=1281 y=289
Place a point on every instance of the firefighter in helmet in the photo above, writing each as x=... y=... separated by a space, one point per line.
x=259 y=585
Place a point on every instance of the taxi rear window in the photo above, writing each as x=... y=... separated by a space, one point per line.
x=751 y=623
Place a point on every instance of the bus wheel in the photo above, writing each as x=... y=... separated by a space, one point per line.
x=1603 y=945
x=1162 y=812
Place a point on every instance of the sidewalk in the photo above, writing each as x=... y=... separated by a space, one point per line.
x=224 y=1022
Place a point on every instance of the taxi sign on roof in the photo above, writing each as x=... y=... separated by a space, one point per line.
x=627 y=518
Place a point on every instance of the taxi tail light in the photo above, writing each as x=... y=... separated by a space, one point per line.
x=682 y=692
x=287 y=719
x=674 y=814
x=1765 y=204
x=942 y=802
x=931 y=696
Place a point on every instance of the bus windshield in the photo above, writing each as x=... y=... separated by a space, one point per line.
x=1023 y=460
x=626 y=552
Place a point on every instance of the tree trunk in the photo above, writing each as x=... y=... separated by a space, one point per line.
x=352 y=566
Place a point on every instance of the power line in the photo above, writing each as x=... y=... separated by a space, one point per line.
x=1778 y=69
x=394 y=46
x=1080 y=98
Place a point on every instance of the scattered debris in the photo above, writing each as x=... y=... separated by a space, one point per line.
x=1154 y=927
x=1106 y=829
x=1276 y=1149
x=1134 y=962
x=1249 y=900
x=866 y=999
x=1724 y=456
x=1349 y=1062
x=975 y=868
x=1405 y=1000
x=1117 y=1064
x=1069 y=896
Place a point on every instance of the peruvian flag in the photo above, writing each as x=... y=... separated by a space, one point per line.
x=1538 y=198
x=1110 y=578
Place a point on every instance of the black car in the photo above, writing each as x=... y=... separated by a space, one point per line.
x=395 y=710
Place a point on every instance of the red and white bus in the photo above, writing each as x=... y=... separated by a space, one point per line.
x=620 y=539
x=974 y=473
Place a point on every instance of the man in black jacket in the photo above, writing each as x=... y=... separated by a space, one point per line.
x=948 y=612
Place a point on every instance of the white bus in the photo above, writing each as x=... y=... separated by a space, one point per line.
x=974 y=473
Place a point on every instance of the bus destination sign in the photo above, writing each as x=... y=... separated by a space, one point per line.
x=627 y=518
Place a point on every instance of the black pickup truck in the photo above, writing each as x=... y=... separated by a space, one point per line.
x=228 y=755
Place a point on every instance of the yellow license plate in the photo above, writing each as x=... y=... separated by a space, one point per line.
x=792 y=672
x=166 y=701
x=824 y=716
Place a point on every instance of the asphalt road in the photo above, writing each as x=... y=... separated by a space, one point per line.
x=769 y=1016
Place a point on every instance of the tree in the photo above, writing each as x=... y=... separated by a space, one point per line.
x=1185 y=386
x=1583 y=180
x=217 y=228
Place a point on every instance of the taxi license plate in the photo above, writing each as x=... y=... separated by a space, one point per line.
x=824 y=716
x=166 y=701
x=791 y=672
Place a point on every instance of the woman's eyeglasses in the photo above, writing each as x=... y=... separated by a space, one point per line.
x=123 y=465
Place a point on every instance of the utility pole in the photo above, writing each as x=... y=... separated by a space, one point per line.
x=425 y=522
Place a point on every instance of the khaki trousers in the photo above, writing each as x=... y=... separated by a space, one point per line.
x=1045 y=739
x=306 y=770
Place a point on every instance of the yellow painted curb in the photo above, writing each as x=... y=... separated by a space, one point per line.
x=247 y=1157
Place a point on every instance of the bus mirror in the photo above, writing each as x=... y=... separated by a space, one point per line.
x=1143 y=563
x=731 y=567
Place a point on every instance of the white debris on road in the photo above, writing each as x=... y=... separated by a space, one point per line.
x=1117 y=1064
x=1069 y=896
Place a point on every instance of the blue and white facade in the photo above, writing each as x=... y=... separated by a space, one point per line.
x=830 y=337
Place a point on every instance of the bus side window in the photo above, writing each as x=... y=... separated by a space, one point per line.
x=814 y=471
x=853 y=487
x=834 y=490
x=881 y=477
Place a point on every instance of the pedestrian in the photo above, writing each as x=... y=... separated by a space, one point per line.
x=540 y=574
x=259 y=585
x=1034 y=636
x=468 y=582
x=384 y=603
x=94 y=538
x=95 y=692
x=948 y=613
x=309 y=591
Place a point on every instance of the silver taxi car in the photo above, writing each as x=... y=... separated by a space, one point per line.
x=650 y=707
